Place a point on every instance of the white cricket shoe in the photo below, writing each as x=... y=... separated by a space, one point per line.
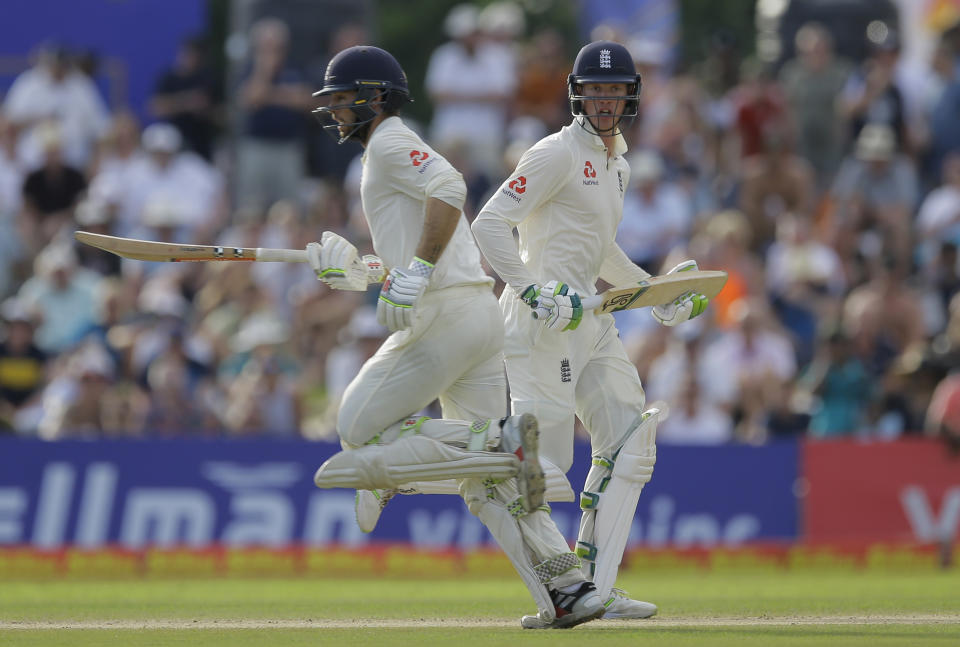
x=571 y=609
x=370 y=503
x=620 y=605
x=521 y=436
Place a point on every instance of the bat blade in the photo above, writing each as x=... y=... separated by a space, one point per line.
x=149 y=250
x=658 y=290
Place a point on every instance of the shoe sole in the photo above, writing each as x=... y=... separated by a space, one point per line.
x=566 y=622
x=532 y=482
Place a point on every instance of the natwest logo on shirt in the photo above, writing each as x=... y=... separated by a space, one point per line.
x=589 y=173
x=515 y=188
x=417 y=157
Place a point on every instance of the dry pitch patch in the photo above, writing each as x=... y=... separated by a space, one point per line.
x=652 y=623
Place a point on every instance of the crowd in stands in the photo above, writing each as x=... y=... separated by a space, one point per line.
x=828 y=189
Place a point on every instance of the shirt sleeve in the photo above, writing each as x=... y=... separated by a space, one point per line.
x=541 y=172
x=617 y=268
x=417 y=170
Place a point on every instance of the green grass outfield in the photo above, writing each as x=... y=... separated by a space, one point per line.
x=745 y=609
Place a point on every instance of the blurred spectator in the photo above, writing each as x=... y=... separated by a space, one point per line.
x=167 y=175
x=185 y=96
x=657 y=215
x=883 y=316
x=94 y=216
x=944 y=125
x=938 y=220
x=775 y=182
x=64 y=296
x=119 y=150
x=695 y=420
x=50 y=192
x=12 y=250
x=11 y=172
x=757 y=358
x=813 y=83
x=264 y=399
x=681 y=358
x=724 y=243
x=759 y=106
x=470 y=84
x=872 y=94
x=327 y=159
x=842 y=387
x=943 y=416
x=806 y=282
x=22 y=364
x=541 y=83
x=874 y=195
x=276 y=100
x=503 y=24
x=53 y=91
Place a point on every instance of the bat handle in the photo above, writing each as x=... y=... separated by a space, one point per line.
x=281 y=255
x=589 y=303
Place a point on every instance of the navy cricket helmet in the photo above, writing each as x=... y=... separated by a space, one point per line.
x=604 y=61
x=377 y=78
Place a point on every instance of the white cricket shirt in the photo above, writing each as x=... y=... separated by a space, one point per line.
x=566 y=200
x=400 y=173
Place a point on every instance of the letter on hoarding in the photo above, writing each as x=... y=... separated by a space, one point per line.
x=167 y=517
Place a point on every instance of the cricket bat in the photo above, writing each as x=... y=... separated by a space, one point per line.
x=148 y=250
x=657 y=290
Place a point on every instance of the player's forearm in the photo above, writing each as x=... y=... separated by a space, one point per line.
x=495 y=238
x=618 y=269
x=439 y=223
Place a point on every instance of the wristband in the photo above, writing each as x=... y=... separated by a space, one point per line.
x=420 y=267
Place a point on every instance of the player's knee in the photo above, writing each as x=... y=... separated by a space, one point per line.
x=350 y=429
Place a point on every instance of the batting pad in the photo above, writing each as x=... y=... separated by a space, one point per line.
x=614 y=501
x=415 y=458
x=558 y=487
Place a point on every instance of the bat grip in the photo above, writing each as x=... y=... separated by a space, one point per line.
x=589 y=303
x=281 y=255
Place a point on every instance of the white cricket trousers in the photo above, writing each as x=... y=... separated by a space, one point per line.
x=453 y=352
x=558 y=375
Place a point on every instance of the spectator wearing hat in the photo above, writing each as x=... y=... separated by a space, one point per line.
x=22 y=363
x=167 y=174
x=470 y=87
x=873 y=197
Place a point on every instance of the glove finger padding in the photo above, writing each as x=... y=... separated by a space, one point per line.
x=563 y=308
x=398 y=296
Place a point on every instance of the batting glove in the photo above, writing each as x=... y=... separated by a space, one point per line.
x=685 y=307
x=335 y=262
x=555 y=304
x=398 y=297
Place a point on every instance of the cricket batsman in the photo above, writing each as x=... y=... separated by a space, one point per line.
x=566 y=200
x=446 y=343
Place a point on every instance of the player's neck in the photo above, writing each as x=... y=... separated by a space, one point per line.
x=373 y=126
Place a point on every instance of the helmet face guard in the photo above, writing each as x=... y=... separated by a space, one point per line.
x=604 y=62
x=378 y=81
x=630 y=101
x=369 y=94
